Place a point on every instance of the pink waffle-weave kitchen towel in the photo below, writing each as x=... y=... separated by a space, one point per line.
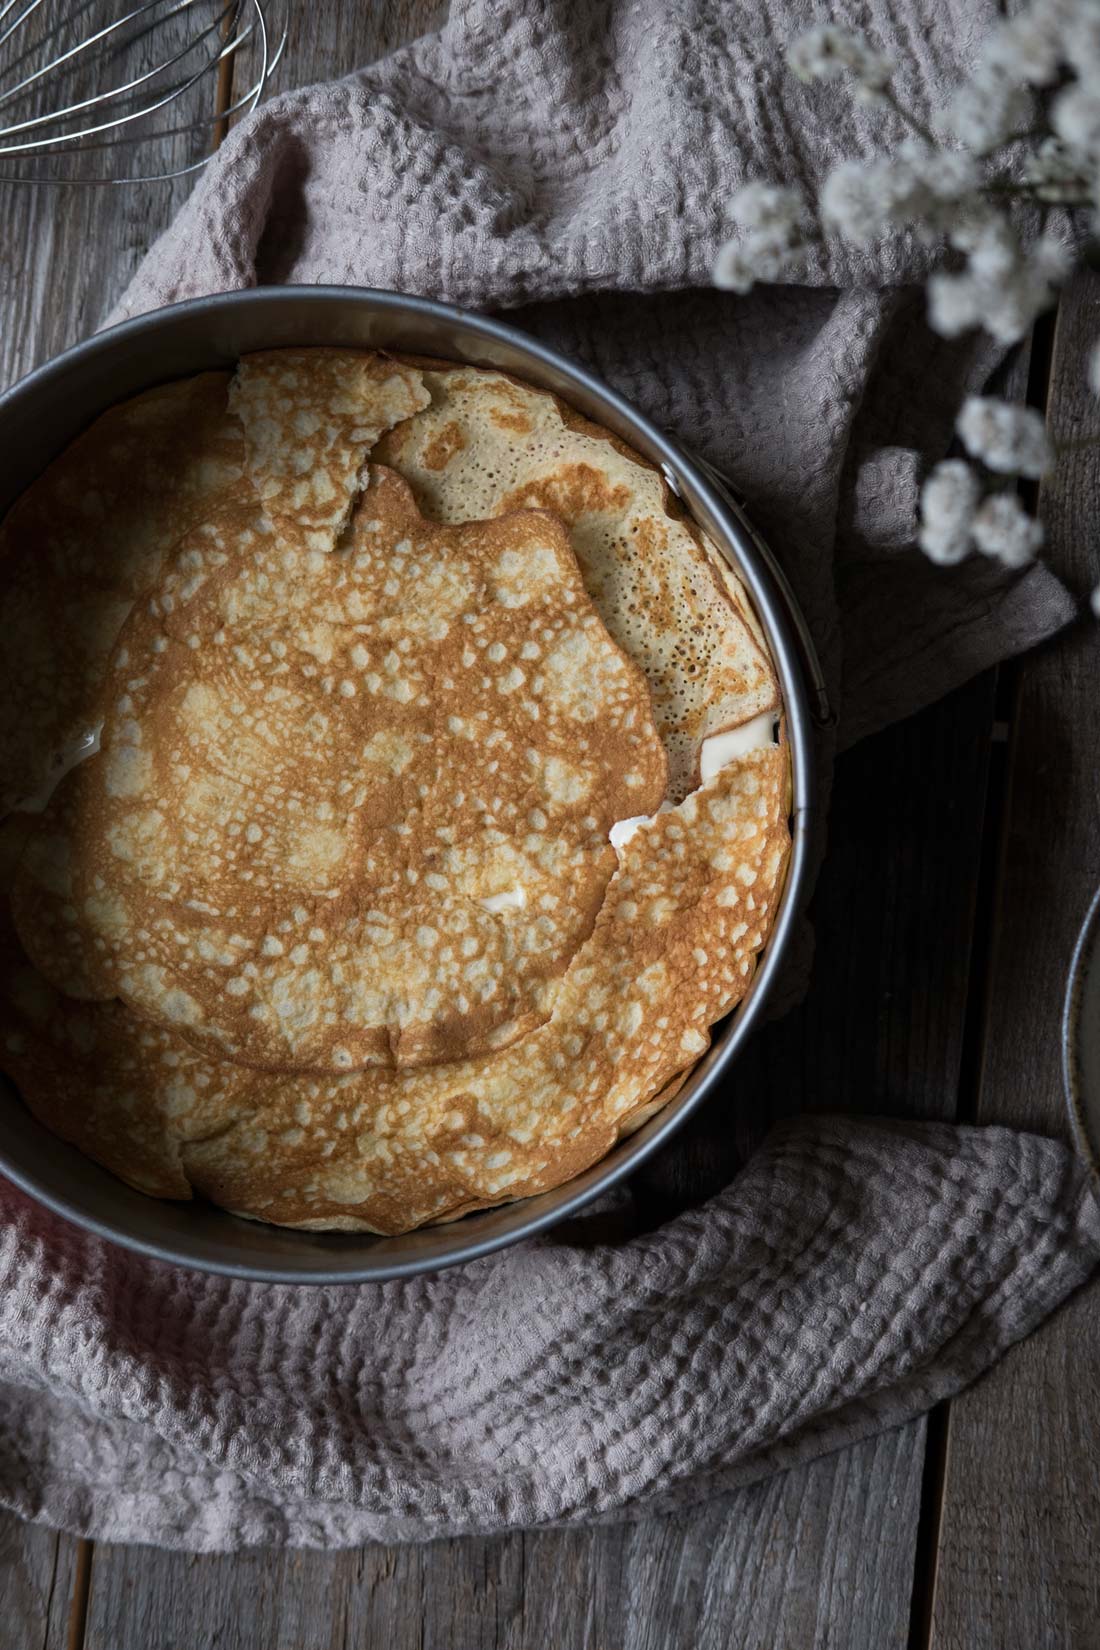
x=574 y=158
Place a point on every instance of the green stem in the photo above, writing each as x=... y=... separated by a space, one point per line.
x=1078 y=444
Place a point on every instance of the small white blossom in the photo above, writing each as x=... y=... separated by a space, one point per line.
x=741 y=263
x=1004 y=286
x=823 y=53
x=766 y=206
x=1054 y=173
x=856 y=200
x=1094 y=369
x=986 y=111
x=1080 y=24
x=948 y=174
x=1011 y=440
x=1027 y=49
x=920 y=188
x=948 y=501
x=1003 y=529
x=1094 y=601
x=1075 y=117
x=775 y=222
x=954 y=304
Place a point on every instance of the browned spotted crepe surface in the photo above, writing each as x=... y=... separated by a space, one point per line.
x=330 y=826
x=92 y=534
x=576 y=1026
x=310 y=418
x=674 y=947
x=488 y=444
x=82 y=544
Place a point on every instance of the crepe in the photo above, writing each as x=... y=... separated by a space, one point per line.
x=602 y=964
x=332 y=827
x=488 y=444
x=91 y=535
x=310 y=417
x=674 y=947
x=42 y=901
x=82 y=544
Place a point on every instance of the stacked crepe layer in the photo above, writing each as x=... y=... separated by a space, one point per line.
x=330 y=929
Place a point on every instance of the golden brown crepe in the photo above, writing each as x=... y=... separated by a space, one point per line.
x=329 y=827
x=79 y=547
x=488 y=444
x=136 y=880
x=674 y=948
x=310 y=418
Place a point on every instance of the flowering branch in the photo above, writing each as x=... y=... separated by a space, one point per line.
x=1025 y=128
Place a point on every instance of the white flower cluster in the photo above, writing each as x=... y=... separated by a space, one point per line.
x=937 y=185
x=774 y=222
x=948 y=503
x=954 y=516
x=1033 y=52
x=956 y=519
x=825 y=52
x=1005 y=286
x=1025 y=126
x=1011 y=440
x=921 y=188
x=1003 y=529
x=986 y=111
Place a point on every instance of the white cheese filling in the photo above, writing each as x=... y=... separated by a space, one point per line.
x=511 y=899
x=623 y=829
x=720 y=749
x=717 y=753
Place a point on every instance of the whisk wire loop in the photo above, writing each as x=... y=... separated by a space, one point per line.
x=79 y=115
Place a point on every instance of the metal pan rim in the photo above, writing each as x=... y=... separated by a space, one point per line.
x=150 y=350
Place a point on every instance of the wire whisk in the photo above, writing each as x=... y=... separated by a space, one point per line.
x=91 y=97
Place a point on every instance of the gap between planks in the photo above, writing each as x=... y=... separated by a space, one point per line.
x=78 y=1598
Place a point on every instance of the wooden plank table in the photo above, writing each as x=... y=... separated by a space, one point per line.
x=947 y=912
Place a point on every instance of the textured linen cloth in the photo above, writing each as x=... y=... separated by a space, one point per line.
x=575 y=159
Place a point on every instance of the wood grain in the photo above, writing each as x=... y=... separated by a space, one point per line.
x=333 y=39
x=37 y=1574
x=68 y=250
x=1021 y=1518
x=819 y=1558
x=754 y=1572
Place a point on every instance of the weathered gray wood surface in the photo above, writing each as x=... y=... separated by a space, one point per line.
x=750 y=1572
x=834 y=1555
x=66 y=252
x=38 y=1586
x=1020 y=1530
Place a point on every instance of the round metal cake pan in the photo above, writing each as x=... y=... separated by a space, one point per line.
x=38 y=418
x=1081 y=1042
